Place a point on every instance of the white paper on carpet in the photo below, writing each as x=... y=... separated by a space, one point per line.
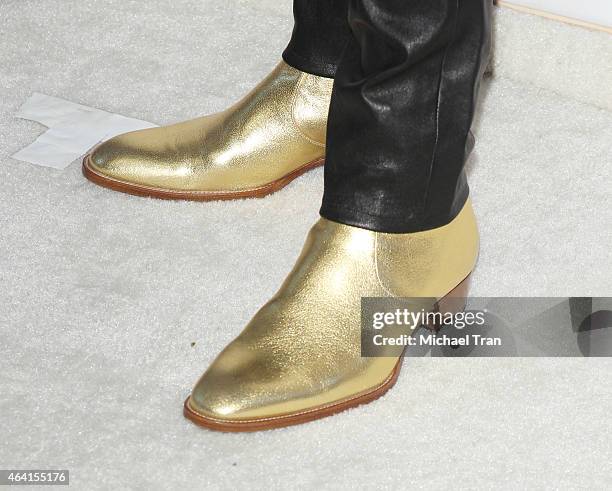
x=73 y=130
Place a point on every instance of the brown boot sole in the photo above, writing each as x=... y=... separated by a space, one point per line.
x=151 y=192
x=454 y=301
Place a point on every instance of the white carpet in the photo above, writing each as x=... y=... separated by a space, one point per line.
x=103 y=294
x=572 y=61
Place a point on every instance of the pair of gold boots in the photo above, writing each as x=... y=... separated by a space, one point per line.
x=299 y=358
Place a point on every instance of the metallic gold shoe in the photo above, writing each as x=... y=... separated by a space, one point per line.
x=299 y=358
x=257 y=146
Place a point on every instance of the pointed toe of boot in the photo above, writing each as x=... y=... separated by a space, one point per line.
x=115 y=158
x=128 y=162
x=229 y=396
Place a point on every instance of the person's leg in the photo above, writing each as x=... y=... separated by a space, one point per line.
x=320 y=33
x=401 y=111
x=275 y=133
x=396 y=219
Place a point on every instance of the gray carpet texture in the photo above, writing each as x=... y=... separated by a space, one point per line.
x=112 y=305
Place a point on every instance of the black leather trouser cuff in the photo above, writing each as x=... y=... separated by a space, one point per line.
x=398 y=131
x=320 y=33
x=405 y=90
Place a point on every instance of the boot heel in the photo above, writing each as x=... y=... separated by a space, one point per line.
x=453 y=303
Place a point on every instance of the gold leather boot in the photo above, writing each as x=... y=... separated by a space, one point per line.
x=257 y=146
x=299 y=358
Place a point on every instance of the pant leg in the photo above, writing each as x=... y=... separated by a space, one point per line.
x=320 y=33
x=401 y=111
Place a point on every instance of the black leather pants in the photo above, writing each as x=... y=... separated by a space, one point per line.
x=406 y=76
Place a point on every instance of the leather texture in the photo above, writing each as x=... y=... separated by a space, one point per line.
x=320 y=33
x=277 y=128
x=406 y=84
x=302 y=349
